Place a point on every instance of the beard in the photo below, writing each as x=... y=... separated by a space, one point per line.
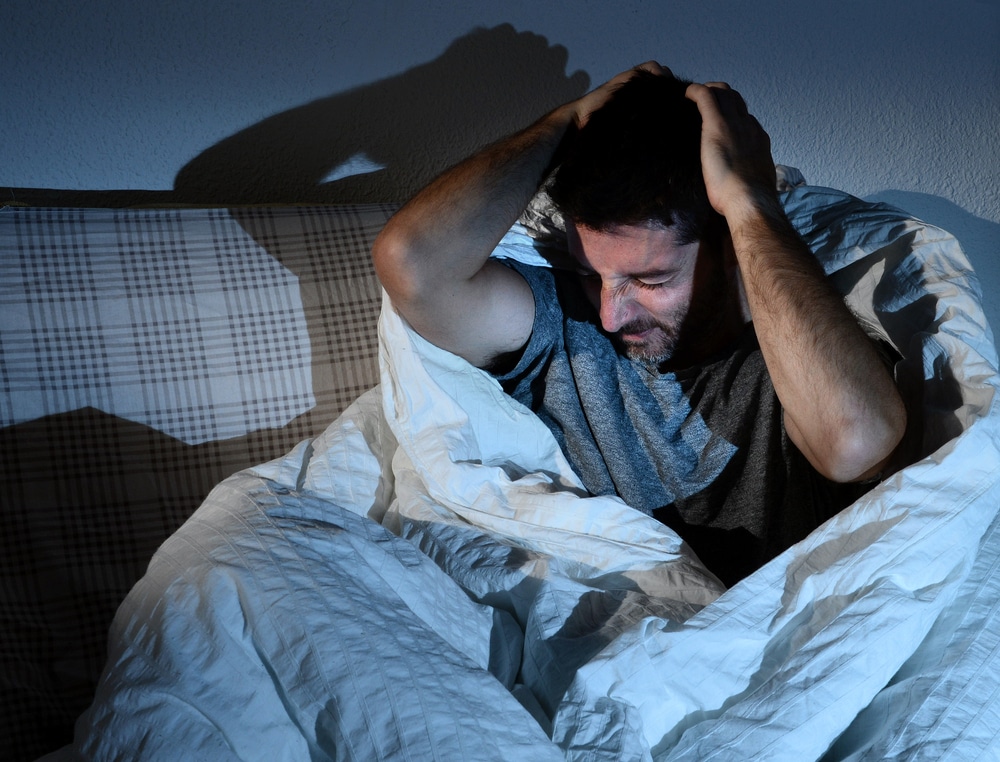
x=681 y=336
x=654 y=348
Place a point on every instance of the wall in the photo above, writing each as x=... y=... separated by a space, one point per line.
x=222 y=101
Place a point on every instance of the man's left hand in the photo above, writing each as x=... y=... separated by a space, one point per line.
x=735 y=150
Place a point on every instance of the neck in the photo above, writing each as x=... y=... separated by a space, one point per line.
x=711 y=329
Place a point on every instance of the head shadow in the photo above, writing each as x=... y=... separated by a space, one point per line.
x=400 y=132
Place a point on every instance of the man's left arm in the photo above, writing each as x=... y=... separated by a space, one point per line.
x=841 y=406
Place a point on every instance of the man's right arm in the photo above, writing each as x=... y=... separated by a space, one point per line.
x=433 y=256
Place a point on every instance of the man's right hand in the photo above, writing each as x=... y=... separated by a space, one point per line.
x=587 y=104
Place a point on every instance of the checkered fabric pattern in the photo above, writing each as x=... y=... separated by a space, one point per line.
x=145 y=355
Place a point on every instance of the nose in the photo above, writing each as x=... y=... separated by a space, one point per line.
x=616 y=310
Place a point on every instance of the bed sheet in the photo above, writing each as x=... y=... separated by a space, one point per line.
x=428 y=580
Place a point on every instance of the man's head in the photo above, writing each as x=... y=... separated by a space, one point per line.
x=637 y=160
x=653 y=252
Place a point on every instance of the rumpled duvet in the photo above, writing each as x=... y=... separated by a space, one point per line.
x=429 y=580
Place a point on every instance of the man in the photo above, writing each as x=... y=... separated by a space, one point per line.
x=697 y=364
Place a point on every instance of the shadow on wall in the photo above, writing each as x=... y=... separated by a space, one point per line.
x=979 y=239
x=406 y=129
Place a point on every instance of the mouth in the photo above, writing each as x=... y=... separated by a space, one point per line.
x=636 y=340
x=636 y=334
x=649 y=343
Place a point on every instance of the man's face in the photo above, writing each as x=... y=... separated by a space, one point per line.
x=648 y=289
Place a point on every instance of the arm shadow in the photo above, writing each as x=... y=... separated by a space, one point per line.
x=400 y=131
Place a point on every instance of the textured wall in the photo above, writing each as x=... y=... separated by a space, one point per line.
x=226 y=101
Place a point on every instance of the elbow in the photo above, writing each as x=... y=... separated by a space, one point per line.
x=388 y=256
x=865 y=448
x=393 y=255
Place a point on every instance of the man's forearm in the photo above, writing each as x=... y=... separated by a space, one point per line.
x=433 y=256
x=448 y=230
x=841 y=405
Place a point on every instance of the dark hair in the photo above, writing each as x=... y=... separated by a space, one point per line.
x=638 y=159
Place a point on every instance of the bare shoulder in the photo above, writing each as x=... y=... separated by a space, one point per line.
x=491 y=315
x=478 y=317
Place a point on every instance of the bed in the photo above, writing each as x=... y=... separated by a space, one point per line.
x=425 y=578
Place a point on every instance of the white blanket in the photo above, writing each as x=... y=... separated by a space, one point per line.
x=428 y=579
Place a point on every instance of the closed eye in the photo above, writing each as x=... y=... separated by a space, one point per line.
x=652 y=283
